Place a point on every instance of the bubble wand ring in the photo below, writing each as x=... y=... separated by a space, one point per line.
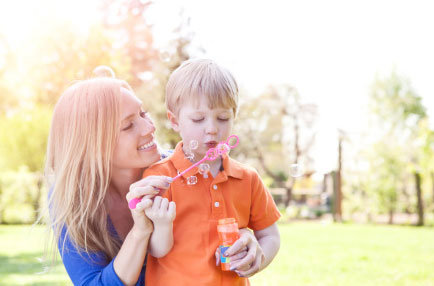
x=211 y=155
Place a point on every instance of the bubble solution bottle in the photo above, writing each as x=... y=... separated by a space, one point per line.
x=227 y=229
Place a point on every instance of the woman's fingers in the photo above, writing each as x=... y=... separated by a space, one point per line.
x=161 y=182
x=134 y=203
x=148 y=185
x=144 y=204
x=136 y=192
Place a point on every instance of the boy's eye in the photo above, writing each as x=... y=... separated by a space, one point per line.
x=197 y=119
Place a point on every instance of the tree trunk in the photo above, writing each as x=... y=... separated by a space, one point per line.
x=288 y=198
x=418 y=179
x=432 y=183
x=36 y=202
x=391 y=212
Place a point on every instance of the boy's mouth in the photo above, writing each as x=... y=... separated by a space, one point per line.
x=211 y=144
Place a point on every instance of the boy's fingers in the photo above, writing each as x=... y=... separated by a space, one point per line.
x=238 y=256
x=164 y=205
x=217 y=257
x=250 y=271
x=157 y=203
x=172 y=210
x=238 y=246
x=246 y=261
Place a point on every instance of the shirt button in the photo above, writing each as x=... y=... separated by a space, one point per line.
x=214 y=187
x=216 y=204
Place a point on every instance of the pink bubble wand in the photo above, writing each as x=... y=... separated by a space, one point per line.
x=211 y=155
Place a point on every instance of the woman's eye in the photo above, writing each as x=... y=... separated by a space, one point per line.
x=223 y=119
x=128 y=127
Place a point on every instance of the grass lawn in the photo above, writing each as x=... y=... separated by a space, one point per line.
x=310 y=254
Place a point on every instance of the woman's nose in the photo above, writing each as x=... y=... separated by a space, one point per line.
x=147 y=126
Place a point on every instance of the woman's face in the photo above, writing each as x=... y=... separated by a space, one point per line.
x=135 y=147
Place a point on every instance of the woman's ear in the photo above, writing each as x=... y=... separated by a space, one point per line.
x=173 y=121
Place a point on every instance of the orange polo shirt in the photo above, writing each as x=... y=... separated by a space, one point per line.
x=237 y=191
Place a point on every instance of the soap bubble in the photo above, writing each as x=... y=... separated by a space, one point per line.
x=204 y=168
x=192 y=180
x=193 y=144
x=223 y=148
x=295 y=170
x=165 y=56
x=189 y=156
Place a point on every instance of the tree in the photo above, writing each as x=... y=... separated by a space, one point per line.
x=150 y=66
x=278 y=129
x=8 y=100
x=397 y=110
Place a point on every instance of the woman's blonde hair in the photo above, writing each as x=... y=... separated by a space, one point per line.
x=83 y=135
x=201 y=78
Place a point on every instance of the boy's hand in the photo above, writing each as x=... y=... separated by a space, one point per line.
x=162 y=212
x=245 y=254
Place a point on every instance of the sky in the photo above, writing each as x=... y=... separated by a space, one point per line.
x=331 y=51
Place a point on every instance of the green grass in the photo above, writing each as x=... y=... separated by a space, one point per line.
x=310 y=254
x=21 y=253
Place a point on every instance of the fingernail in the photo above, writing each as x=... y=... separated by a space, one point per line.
x=169 y=179
x=226 y=254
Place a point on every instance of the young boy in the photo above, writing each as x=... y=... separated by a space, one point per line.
x=202 y=102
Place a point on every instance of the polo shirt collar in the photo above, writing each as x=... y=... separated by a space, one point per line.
x=181 y=163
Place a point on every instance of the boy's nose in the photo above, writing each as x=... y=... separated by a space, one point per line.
x=211 y=128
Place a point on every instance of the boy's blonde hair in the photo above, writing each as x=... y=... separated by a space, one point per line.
x=201 y=78
x=83 y=135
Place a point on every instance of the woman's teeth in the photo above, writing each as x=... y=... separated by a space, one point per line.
x=146 y=146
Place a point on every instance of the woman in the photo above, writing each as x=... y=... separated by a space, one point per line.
x=100 y=142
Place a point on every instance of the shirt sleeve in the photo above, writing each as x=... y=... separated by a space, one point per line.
x=263 y=211
x=88 y=269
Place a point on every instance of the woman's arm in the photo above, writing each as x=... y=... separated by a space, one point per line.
x=129 y=261
x=131 y=256
x=90 y=268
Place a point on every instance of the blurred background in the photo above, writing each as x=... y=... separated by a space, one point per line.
x=337 y=115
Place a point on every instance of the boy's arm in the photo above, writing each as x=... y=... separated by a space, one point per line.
x=162 y=213
x=269 y=240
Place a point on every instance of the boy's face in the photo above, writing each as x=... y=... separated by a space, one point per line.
x=205 y=125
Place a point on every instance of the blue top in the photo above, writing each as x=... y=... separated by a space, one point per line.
x=92 y=269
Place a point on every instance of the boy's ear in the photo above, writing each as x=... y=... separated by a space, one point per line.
x=173 y=120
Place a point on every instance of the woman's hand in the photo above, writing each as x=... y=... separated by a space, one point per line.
x=144 y=190
x=245 y=254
